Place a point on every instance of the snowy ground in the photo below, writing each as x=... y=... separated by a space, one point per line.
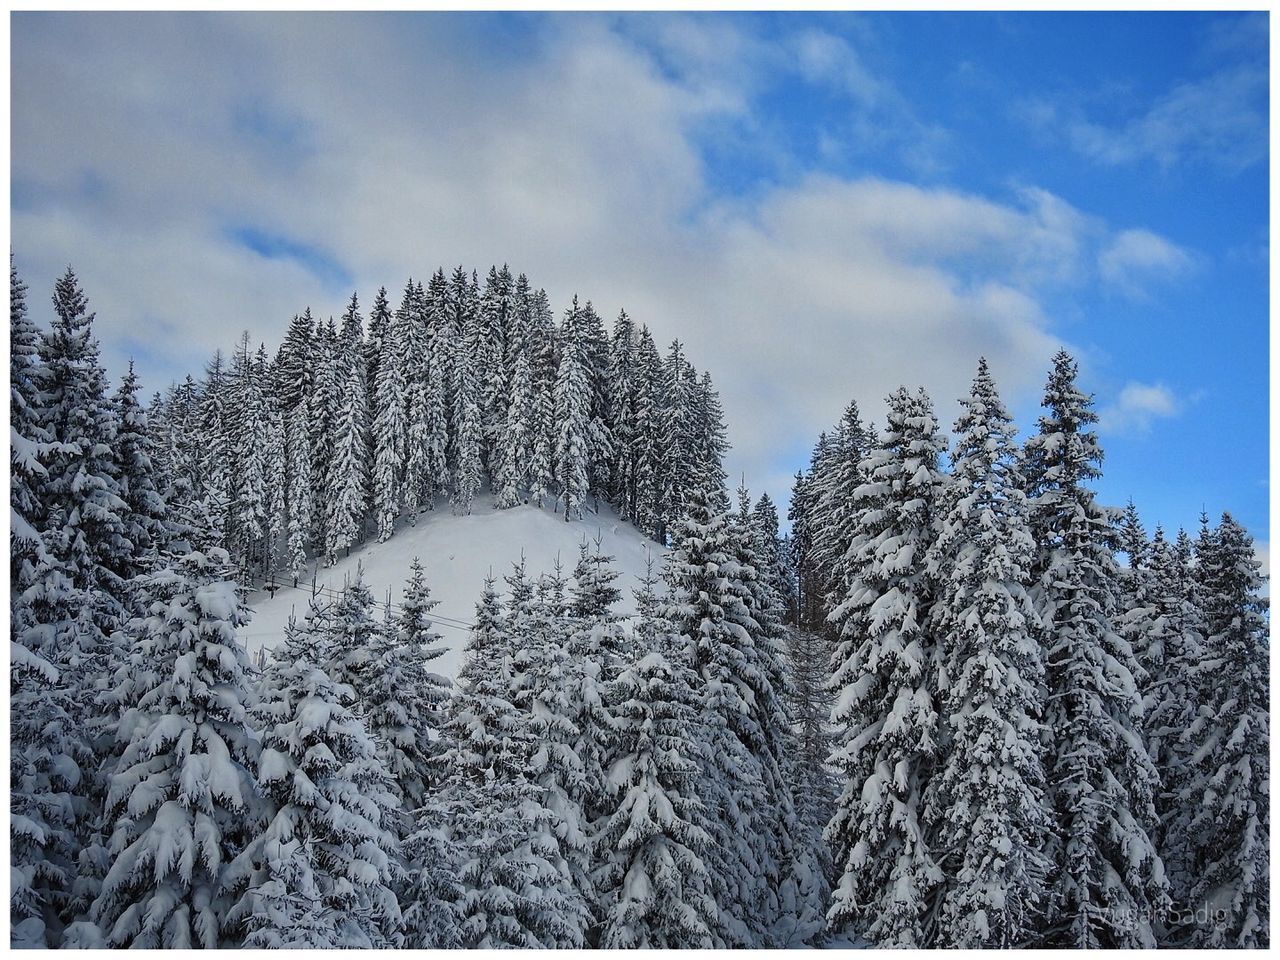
x=457 y=553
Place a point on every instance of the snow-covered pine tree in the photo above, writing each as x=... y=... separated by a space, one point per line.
x=42 y=741
x=326 y=399
x=515 y=885
x=650 y=439
x=549 y=690
x=469 y=443
x=390 y=424
x=380 y=340
x=75 y=601
x=794 y=896
x=834 y=517
x=403 y=701
x=249 y=519
x=653 y=883
x=144 y=513
x=596 y=644
x=299 y=503
x=27 y=436
x=349 y=475
x=572 y=417
x=886 y=682
x=710 y=442
x=497 y=310
x=710 y=607
x=295 y=366
x=441 y=336
x=181 y=802
x=987 y=801
x=544 y=368
x=678 y=388
x=212 y=486
x=83 y=525
x=518 y=438
x=276 y=460
x=1170 y=708
x=328 y=792
x=1230 y=768
x=1108 y=882
x=622 y=416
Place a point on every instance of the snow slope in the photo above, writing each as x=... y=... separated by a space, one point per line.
x=457 y=553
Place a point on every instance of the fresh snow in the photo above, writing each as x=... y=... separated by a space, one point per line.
x=457 y=553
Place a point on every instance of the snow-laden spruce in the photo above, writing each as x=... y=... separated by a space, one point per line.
x=516 y=888
x=181 y=801
x=710 y=608
x=327 y=789
x=1230 y=771
x=1108 y=879
x=987 y=799
x=887 y=688
x=652 y=878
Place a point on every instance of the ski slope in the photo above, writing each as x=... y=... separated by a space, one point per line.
x=457 y=553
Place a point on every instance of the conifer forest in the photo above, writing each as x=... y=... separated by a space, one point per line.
x=943 y=697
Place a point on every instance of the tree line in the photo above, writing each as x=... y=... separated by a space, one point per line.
x=349 y=431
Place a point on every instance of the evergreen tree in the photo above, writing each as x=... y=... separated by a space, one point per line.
x=989 y=799
x=518 y=438
x=470 y=441
x=300 y=505
x=328 y=792
x=650 y=440
x=1108 y=878
x=653 y=882
x=572 y=413
x=402 y=700
x=1171 y=706
x=390 y=425
x=515 y=884
x=1230 y=824
x=349 y=475
x=544 y=368
x=27 y=436
x=711 y=609
x=622 y=416
x=326 y=405
x=181 y=801
x=887 y=682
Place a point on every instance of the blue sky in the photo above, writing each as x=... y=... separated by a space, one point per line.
x=823 y=206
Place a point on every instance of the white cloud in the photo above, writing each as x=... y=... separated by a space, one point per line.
x=1218 y=118
x=1135 y=258
x=574 y=159
x=1137 y=406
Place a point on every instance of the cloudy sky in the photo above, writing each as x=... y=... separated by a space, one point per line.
x=822 y=207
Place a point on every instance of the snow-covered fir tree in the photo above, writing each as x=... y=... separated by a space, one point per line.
x=181 y=801
x=887 y=680
x=988 y=799
x=327 y=791
x=655 y=892
x=1230 y=772
x=348 y=485
x=145 y=512
x=390 y=425
x=1108 y=881
x=710 y=608
x=572 y=413
x=515 y=886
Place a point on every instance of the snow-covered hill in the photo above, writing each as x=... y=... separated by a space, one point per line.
x=457 y=553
